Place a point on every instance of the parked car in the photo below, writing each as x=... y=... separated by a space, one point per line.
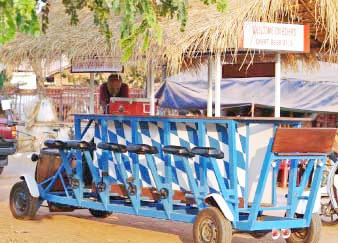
x=8 y=139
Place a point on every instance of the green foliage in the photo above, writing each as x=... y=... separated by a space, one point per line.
x=220 y=4
x=140 y=18
x=2 y=79
x=17 y=15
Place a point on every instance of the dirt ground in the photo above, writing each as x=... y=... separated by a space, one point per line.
x=80 y=227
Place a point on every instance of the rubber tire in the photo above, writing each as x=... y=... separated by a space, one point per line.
x=223 y=225
x=259 y=235
x=99 y=213
x=32 y=202
x=313 y=232
x=329 y=223
x=1 y=170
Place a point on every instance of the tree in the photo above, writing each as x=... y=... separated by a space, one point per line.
x=17 y=15
x=140 y=18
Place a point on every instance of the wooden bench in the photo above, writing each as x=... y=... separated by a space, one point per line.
x=304 y=141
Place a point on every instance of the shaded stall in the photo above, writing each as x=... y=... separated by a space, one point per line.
x=297 y=94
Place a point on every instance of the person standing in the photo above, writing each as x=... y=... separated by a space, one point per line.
x=112 y=88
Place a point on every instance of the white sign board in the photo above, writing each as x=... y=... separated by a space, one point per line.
x=96 y=65
x=278 y=37
x=6 y=104
x=24 y=80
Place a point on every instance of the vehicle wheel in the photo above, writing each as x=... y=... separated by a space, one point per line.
x=1 y=170
x=99 y=213
x=327 y=213
x=55 y=207
x=21 y=202
x=211 y=226
x=259 y=235
x=307 y=235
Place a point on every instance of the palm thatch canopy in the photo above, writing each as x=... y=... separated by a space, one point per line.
x=61 y=39
x=207 y=31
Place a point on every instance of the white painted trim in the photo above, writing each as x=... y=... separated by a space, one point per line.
x=218 y=77
x=223 y=206
x=277 y=84
x=210 y=87
x=31 y=184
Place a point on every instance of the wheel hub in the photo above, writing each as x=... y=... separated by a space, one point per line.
x=208 y=231
x=21 y=202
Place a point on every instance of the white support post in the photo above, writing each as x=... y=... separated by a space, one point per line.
x=218 y=76
x=253 y=110
x=277 y=84
x=209 y=105
x=148 y=85
x=91 y=94
x=151 y=89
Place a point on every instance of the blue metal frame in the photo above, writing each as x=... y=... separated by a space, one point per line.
x=245 y=219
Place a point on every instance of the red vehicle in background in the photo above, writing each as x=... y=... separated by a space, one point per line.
x=7 y=137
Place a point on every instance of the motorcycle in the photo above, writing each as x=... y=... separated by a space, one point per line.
x=329 y=192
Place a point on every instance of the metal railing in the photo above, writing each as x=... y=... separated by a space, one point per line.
x=65 y=100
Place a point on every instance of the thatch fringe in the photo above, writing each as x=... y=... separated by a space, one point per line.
x=207 y=31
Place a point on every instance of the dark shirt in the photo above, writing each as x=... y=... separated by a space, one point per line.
x=105 y=96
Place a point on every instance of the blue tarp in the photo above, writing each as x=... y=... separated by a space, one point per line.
x=295 y=94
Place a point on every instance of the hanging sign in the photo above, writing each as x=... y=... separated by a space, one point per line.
x=278 y=37
x=96 y=65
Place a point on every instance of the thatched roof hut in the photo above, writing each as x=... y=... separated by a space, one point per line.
x=61 y=38
x=210 y=31
x=207 y=31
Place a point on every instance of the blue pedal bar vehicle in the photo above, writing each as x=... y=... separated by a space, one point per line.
x=219 y=174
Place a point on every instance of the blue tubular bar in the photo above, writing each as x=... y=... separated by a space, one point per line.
x=203 y=160
x=306 y=176
x=192 y=182
x=298 y=191
x=79 y=176
x=292 y=200
x=65 y=158
x=86 y=128
x=178 y=174
x=260 y=187
x=168 y=167
x=233 y=166
x=221 y=120
x=318 y=174
x=122 y=170
x=136 y=168
x=274 y=223
x=274 y=181
x=46 y=181
x=247 y=141
x=104 y=196
x=219 y=178
x=54 y=178
x=300 y=157
x=63 y=183
x=148 y=212
x=158 y=183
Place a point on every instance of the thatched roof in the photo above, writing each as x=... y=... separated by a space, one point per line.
x=210 y=31
x=207 y=31
x=61 y=38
